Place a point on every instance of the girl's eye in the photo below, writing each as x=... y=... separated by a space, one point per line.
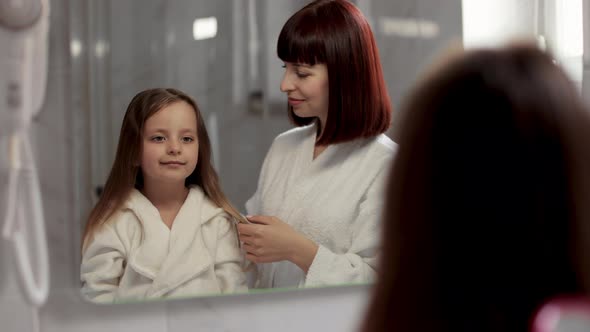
x=301 y=75
x=157 y=139
x=188 y=139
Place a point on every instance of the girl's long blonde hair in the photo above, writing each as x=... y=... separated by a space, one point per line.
x=126 y=174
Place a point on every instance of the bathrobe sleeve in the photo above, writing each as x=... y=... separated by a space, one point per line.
x=228 y=258
x=358 y=264
x=102 y=265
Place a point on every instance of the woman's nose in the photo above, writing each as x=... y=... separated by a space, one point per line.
x=286 y=84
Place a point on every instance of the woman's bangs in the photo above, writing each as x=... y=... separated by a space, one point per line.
x=300 y=46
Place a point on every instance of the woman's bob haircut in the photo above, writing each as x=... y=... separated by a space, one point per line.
x=335 y=33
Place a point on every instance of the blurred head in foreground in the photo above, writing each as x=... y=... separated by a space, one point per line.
x=488 y=196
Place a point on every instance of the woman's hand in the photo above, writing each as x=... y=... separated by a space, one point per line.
x=269 y=239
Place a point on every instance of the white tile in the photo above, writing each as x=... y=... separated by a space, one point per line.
x=334 y=309
x=67 y=312
x=15 y=313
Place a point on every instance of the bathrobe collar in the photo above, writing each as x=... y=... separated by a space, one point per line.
x=306 y=170
x=173 y=256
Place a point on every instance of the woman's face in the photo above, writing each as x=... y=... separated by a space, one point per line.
x=307 y=89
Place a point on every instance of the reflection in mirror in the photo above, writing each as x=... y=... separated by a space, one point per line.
x=312 y=195
x=162 y=225
x=303 y=233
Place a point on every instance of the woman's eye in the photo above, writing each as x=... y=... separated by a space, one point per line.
x=301 y=75
x=158 y=139
x=188 y=139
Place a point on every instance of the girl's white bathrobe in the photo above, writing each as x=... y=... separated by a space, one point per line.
x=335 y=200
x=135 y=255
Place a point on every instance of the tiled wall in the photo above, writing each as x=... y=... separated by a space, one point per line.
x=405 y=54
x=143 y=54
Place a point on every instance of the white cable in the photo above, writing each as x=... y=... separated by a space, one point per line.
x=25 y=180
x=37 y=293
x=11 y=194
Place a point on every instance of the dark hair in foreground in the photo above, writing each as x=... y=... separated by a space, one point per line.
x=126 y=174
x=335 y=33
x=486 y=205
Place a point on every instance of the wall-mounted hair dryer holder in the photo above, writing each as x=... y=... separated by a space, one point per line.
x=24 y=27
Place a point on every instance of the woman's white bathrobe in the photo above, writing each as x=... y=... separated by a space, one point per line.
x=335 y=200
x=136 y=256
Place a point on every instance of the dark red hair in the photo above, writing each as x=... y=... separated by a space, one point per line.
x=335 y=33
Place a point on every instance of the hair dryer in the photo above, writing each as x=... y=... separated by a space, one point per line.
x=24 y=27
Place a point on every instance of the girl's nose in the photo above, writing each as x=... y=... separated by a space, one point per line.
x=173 y=147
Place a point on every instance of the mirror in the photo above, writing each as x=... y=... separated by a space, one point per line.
x=223 y=54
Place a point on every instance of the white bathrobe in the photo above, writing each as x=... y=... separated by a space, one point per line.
x=335 y=200
x=136 y=256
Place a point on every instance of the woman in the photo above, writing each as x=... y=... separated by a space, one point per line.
x=487 y=203
x=315 y=212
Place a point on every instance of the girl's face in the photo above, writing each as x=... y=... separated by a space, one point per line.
x=170 y=148
x=307 y=89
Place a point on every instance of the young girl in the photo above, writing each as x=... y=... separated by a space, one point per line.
x=162 y=226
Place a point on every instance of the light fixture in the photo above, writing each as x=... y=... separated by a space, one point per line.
x=204 y=28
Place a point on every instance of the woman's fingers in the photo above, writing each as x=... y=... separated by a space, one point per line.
x=265 y=239
x=252 y=258
x=246 y=229
x=265 y=220
x=253 y=249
